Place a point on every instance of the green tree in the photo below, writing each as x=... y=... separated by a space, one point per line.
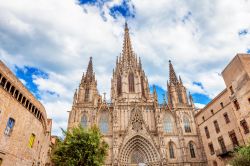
x=241 y=156
x=81 y=147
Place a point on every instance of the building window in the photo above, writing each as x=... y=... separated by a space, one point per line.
x=168 y=125
x=216 y=125
x=142 y=87
x=236 y=105
x=233 y=138
x=84 y=121
x=119 y=85
x=191 y=148
x=215 y=163
x=131 y=82
x=244 y=125
x=3 y=81
x=203 y=118
x=1 y=161
x=212 y=111
x=221 y=104
x=32 y=140
x=179 y=93
x=222 y=145
x=231 y=90
x=9 y=126
x=207 y=132
x=86 y=98
x=227 y=120
x=171 y=150
x=249 y=100
x=104 y=123
x=211 y=148
x=187 y=127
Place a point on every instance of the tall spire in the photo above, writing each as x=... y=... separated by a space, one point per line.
x=127 y=52
x=89 y=74
x=172 y=76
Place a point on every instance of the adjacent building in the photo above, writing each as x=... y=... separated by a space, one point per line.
x=224 y=122
x=24 y=127
x=138 y=129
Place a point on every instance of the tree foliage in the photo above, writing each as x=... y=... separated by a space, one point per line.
x=81 y=147
x=241 y=156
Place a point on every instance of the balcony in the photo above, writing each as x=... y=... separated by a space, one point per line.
x=228 y=150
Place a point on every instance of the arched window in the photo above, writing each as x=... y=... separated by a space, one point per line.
x=119 y=85
x=84 y=121
x=191 y=148
x=104 y=122
x=168 y=125
x=179 y=96
x=171 y=150
x=86 y=98
x=142 y=87
x=131 y=82
x=187 y=126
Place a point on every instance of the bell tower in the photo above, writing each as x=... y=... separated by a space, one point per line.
x=88 y=93
x=129 y=82
x=177 y=95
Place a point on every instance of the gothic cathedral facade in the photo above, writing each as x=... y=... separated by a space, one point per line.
x=139 y=130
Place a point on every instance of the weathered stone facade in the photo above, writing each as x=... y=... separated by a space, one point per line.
x=224 y=122
x=136 y=127
x=24 y=127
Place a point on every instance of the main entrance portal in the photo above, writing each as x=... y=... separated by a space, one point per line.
x=139 y=151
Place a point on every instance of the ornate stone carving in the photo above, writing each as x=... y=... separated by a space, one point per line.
x=137 y=120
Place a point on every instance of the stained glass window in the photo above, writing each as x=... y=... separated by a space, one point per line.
x=84 y=121
x=187 y=127
x=168 y=125
x=104 y=123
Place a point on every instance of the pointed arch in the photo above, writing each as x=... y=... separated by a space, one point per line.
x=119 y=85
x=148 y=153
x=171 y=149
x=84 y=121
x=131 y=82
x=179 y=93
x=191 y=147
x=187 y=124
x=104 y=122
x=86 y=97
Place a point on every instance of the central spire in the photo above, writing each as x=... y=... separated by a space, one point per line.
x=127 y=52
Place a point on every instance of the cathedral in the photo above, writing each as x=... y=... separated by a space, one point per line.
x=139 y=130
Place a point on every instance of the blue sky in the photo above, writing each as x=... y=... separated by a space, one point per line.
x=47 y=44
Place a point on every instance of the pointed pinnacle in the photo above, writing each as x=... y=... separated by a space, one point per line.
x=180 y=80
x=172 y=76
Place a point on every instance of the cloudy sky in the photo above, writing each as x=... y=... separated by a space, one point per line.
x=47 y=43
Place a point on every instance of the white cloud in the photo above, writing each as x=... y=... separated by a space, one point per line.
x=59 y=36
